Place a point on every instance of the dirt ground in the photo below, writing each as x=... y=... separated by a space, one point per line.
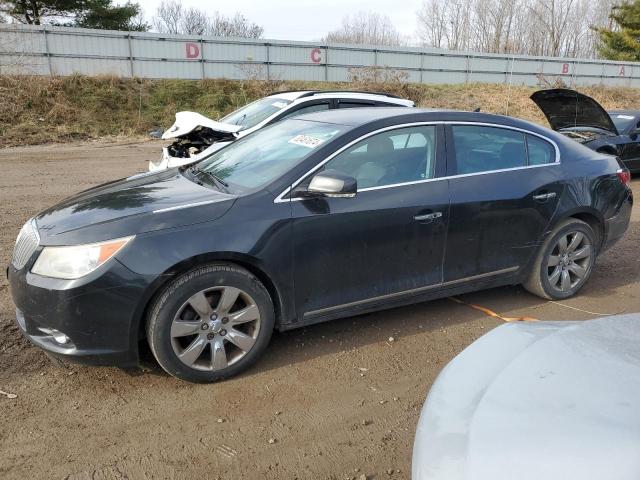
x=332 y=401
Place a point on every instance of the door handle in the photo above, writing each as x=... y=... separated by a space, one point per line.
x=544 y=196
x=427 y=216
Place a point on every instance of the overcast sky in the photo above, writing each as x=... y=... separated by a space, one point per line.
x=304 y=20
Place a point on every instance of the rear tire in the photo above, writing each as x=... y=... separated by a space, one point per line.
x=565 y=261
x=211 y=323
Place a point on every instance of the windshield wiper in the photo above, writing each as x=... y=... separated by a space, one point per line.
x=221 y=184
x=241 y=119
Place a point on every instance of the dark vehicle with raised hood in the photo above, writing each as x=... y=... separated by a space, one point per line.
x=584 y=120
x=318 y=217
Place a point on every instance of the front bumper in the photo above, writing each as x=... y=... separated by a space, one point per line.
x=99 y=314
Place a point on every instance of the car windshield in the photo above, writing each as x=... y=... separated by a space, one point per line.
x=260 y=158
x=254 y=113
x=621 y=120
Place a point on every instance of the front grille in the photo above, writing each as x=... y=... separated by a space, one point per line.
x=26 y=244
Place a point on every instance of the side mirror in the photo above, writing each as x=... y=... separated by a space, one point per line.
x=331 y=183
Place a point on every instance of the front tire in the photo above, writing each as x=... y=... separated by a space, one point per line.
x=565 y=261
x=211 y=323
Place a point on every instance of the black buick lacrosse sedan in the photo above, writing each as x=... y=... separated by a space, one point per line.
x=322 y=216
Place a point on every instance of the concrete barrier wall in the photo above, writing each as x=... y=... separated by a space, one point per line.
x=40 y=50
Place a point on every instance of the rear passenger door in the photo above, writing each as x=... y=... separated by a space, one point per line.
x=504 y=185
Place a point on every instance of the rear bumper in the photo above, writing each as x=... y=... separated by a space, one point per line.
x=616 y=226
x=92 y=321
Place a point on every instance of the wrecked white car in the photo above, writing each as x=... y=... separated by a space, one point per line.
x=196 y=136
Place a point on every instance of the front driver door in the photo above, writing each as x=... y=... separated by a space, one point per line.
x=388 y=239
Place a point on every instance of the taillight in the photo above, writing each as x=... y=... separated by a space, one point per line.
x=625 y=176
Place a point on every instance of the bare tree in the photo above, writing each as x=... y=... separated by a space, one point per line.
x=172 y=18
x=236 y=26
x=366 y=28
x=168 y=17
x=530 y=27
x=194 y=22
x=432 y=23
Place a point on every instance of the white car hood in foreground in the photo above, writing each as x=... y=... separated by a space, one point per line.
x=188 y=121
x=537 y=401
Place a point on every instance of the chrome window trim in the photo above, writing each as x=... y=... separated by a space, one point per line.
x=280 y=199
x=517 y=129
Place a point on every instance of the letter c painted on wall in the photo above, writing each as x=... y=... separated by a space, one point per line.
x=316 y=56
x=193 y=51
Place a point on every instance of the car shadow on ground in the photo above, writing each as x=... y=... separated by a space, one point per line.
x=615 y=269
x=330 y=338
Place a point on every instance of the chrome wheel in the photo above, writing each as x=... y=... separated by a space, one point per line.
x=215 y=328
x=569 y=262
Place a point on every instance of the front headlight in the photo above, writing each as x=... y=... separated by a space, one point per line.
x=78 y=260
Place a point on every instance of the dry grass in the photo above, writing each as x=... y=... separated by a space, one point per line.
x=56 y=109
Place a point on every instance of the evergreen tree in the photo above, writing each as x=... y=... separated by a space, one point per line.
x=623 y=42
x=101 y=14
x=104 y=15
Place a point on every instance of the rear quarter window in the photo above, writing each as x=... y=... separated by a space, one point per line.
x=540 y=151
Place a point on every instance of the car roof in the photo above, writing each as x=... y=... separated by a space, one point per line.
x=378 y=96
x=359 y=116
x=291 y=95
x=365 y=115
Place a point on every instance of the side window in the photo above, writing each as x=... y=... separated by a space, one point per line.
x=317 y=107
x=481 y=149
x=407 y=140
x=347 y=104
x=395 y=156
x=540 y=151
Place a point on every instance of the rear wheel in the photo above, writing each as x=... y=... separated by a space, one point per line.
x=211 y=323
x=565 y=261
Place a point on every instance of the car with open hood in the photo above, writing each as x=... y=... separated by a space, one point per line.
x=537 y=400
x=195 y=136
x=317 y=217
x=580 y=117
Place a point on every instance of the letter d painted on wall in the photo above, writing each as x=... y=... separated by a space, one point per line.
x=193 y=50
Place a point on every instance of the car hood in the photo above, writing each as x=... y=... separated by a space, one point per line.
x=186 y=122
x=546 y=400
x=566 y=108
x=133 y=205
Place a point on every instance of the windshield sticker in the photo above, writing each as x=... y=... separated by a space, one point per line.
x=279 y=104
x=309 y=141
x=625 y=117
